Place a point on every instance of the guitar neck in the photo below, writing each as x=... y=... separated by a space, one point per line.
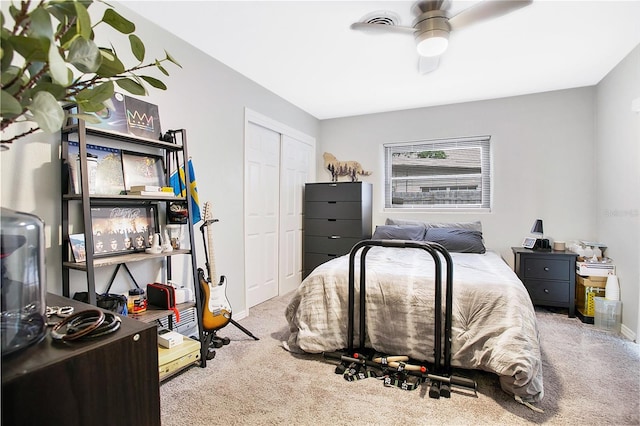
x=212 y=259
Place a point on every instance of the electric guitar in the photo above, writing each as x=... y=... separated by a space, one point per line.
x=216 y=309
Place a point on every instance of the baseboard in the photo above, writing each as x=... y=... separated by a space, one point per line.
x=628 y=333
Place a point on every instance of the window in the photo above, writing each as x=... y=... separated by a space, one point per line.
x=439 y=174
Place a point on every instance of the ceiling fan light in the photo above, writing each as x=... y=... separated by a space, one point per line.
x=432 y=43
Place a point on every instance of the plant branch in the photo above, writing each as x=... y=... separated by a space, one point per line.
x=16 y=137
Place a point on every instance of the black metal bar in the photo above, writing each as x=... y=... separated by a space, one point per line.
x=433 y=249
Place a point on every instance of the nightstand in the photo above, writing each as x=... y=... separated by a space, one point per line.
x=549 y=276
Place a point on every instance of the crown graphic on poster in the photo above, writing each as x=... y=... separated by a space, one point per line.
x=140 y=121
x=129 y=116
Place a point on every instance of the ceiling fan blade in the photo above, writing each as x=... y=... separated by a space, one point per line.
x=428 y=64
x=485 y=10
x=365 y=26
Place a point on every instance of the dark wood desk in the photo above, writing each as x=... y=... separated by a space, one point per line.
x=106 y=381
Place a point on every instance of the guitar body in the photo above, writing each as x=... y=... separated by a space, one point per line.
x=216 y=309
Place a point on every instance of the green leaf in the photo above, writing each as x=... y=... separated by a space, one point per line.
x=31 y=49
x=11 y=73
x=110 y=66
x=137 y=47
x=62 y=10
x=58 y=92
x=84 y=55
x=88 y=106
x=96 y=94
x=161 y=68
x=131 y=86
x=7 y=56
x=58 y=67
x=154 y=82
x=9 y=104
x=83 y=23
x=113 y=18
x=47 y=112
x=89 y=118
x=40 y=25
x=170 y=58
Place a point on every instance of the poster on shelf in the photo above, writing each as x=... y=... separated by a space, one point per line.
x=105 y=169
x=142 y=169
x=78 y=247
x=129 y=116
x=121 y=229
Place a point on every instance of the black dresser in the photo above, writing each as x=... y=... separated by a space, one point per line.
x=336 y=216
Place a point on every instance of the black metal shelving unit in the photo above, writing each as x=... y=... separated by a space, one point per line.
x=172 y=153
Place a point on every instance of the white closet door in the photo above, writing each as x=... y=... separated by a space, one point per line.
x=295 y=167
x=261 y=213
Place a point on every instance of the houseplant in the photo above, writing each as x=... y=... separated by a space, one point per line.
x=49 y=57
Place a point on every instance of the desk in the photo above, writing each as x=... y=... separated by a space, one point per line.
x=109 y=380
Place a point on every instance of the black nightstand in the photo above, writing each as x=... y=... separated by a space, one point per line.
x=549 y=276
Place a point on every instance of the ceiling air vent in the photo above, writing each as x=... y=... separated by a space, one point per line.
x=381 y=18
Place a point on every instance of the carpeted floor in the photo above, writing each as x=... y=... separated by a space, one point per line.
x=591 y=377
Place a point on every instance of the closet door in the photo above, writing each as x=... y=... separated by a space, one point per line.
x=261 y=213
x=295 y=168
x=279 y=160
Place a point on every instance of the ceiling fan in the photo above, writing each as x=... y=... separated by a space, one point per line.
x=433 y=23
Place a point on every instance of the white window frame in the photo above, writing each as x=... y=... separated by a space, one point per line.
x=481 y=142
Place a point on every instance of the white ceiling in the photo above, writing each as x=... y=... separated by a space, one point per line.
x=305 y=51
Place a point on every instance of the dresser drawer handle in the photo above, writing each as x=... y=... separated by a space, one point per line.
x=331 y=202
x=334 y=237
x=332 y=220
x=546 y=268
x=546 y=290
x=333 y=185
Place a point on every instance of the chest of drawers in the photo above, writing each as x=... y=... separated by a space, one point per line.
x=549 y=276
x=336 y=216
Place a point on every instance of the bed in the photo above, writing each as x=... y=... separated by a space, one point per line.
x=493 y=321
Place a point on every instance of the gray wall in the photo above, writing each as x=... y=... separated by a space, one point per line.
x=543 y=152
x=617 y=164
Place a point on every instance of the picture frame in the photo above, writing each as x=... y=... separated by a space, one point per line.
x=120 y=229
x=107 y=164
x=78 y=247
x=142 y=169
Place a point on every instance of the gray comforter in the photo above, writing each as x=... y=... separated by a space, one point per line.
x=494 y=323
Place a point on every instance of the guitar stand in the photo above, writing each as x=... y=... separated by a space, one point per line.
x=211 y=338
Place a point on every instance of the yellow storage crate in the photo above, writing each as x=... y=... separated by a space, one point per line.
x=585 y=298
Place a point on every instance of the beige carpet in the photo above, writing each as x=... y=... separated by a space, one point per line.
x=591 y=377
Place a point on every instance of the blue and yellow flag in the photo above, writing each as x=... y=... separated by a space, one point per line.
x=179 y=188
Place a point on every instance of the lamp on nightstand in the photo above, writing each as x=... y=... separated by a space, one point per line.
x=541 y=244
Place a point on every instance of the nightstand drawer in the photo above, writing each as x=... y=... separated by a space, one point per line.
x=547 y=269
x=549 y=292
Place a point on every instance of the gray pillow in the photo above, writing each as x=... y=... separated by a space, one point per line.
x=474 y=226
x=457 y=240
x=399 y=232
